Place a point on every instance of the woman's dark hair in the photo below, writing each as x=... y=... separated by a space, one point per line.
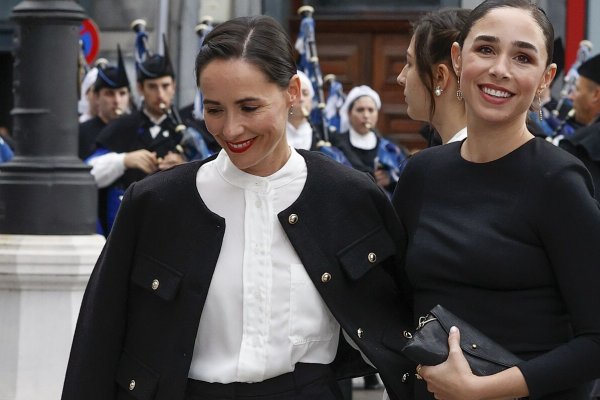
x=537 y=13
x=259 y=40
x=433 y=36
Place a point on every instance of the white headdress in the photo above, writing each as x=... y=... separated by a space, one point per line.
x=355 y=93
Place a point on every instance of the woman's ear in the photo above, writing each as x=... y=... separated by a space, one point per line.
x=294 y=90
x=442 y=76
x=456 y=58
x=549 y=75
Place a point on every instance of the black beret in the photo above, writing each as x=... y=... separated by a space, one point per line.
x=591 y=69
x=111 y=76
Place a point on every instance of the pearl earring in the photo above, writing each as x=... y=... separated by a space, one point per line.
x=438 y=91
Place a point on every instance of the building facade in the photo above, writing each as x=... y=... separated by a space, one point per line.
x=360 y=41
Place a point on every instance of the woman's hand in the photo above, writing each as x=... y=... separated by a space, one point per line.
x=171 y=159
x=382 y=177
x=452 y=379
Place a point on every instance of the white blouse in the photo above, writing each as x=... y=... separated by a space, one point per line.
x=262 y=314
x=459 y=136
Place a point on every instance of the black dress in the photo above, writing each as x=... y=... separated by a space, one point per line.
x=511 y=246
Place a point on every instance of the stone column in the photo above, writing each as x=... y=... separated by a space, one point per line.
x=47 y=206
x=42 y=279
x=46 y=189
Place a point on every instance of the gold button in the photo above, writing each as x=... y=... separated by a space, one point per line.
x=132 y=385
x=293 y=218
x=359 y=332
x=407 y=334
x=372 y=257
x=326 y=277
x=155 y=284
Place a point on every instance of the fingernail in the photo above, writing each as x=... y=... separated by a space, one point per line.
x=453 y=329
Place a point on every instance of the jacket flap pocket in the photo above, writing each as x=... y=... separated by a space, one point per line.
x=358 y=258
x=156 y=277
x=136 y=378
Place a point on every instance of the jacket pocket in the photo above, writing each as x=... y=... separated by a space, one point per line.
x=369 y=251
x=156 y=277
x=310 y=319
x=135 y=378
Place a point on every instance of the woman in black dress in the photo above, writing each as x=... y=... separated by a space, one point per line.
x=503 y=227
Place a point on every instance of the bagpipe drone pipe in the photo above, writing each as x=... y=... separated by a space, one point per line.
x=185 y=141
x=309 y=64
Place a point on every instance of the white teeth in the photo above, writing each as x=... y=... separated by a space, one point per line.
x=495 y=93
x=239 y=145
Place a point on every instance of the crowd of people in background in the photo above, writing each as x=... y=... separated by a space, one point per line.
x=497 y=219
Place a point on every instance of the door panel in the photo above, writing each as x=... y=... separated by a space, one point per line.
x=369 y=49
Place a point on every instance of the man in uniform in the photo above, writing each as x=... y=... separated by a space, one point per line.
x=110 y=92
x=585 y=142
x=142 y=142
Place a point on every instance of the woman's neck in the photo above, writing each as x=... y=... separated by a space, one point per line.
x=450 y=117
x=488 y=141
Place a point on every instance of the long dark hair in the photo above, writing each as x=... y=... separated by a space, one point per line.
x=259 y=40
x=433 y=36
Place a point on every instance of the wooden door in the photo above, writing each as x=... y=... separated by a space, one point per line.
x=369 y=49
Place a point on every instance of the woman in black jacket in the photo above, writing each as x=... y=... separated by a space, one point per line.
x=260 y=272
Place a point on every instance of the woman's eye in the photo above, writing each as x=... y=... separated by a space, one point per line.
x=249 y=108
x=212 y=110
x=523 y=59
x=485 y=50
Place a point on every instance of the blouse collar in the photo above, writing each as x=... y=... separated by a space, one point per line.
x=294 y=166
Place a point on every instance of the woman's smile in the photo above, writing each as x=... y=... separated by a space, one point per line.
x=240 y=147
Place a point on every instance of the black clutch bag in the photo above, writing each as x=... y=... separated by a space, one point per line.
x=428 y=345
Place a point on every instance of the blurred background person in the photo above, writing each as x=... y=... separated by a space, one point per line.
x=301 y=134
x=585 y=141
x=110 y=92
x=86 y=106
x=360 y=142
x=428 y=79
x=140 y=143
